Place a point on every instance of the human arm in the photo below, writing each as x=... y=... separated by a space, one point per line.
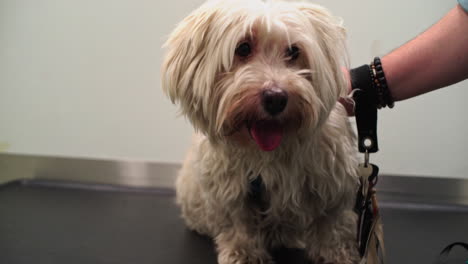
x=435 y=59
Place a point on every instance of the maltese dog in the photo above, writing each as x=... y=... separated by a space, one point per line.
x=273 y=160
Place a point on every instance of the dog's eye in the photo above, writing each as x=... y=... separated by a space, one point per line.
x=243 y=50
x=292 y=52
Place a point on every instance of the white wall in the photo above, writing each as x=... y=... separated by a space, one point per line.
x=81 y=78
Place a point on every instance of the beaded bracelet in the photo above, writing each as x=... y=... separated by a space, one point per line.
x=384 y=98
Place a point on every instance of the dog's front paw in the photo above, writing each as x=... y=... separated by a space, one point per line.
x=244 y=256
x=235 y=247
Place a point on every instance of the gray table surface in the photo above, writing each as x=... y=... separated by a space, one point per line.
x=51 y=224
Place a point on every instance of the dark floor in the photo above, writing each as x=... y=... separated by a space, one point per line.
x=60 y=225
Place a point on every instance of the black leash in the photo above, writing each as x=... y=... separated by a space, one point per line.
x=448 y=248
x=446 y=251
x=369 y=226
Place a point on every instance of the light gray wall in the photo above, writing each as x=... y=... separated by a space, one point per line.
x=81 y=79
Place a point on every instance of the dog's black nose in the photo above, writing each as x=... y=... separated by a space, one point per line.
x=274 y=100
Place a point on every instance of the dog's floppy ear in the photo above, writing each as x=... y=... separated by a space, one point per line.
x=188 y=72
x=332 y=34
x=330 y=53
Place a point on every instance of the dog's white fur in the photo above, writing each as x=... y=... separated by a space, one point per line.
x=310 y=179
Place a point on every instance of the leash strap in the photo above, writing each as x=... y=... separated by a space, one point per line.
x=365 y=108
x=369 y=226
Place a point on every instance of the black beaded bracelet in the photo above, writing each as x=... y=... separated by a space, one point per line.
x=384 y=98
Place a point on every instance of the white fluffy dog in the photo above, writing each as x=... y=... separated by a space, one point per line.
x=273 y=162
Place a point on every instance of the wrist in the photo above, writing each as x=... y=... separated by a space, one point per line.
x=370 y=80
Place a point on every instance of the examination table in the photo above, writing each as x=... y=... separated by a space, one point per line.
x=58 y=214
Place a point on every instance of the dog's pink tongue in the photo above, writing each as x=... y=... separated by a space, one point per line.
x=267 y=134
